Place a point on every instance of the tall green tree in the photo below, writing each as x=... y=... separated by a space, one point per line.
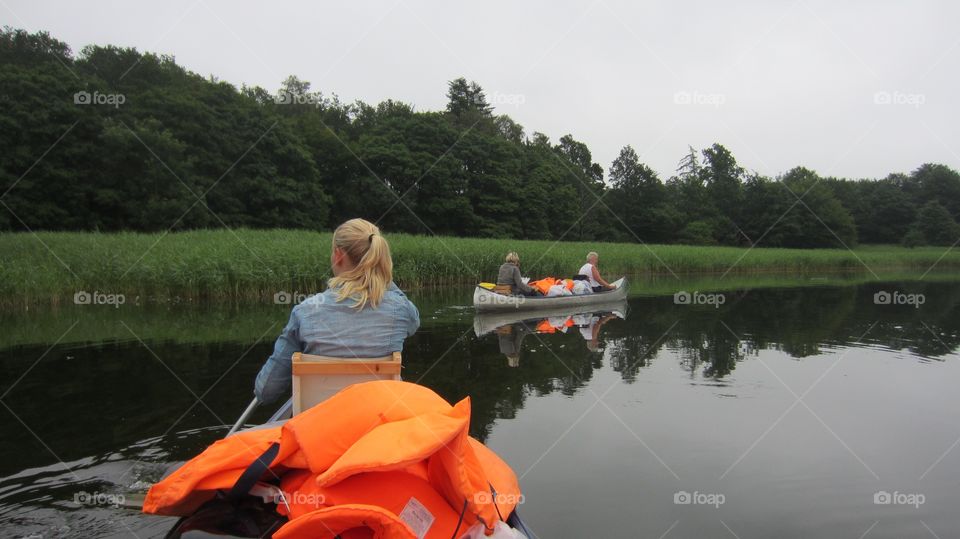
x=936 y=226
x=817 y=219
x=640 y=199
x=722 y=178
x=467 y=103
x=586 y=178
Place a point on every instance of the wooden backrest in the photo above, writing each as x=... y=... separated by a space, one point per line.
x=317 y=378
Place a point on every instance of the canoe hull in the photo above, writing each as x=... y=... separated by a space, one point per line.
x=487 y=301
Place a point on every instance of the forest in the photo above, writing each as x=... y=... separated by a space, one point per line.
x=113 y=139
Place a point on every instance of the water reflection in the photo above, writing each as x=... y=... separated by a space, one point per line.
x=709 y=341
x=512 y=328
x=115 y=409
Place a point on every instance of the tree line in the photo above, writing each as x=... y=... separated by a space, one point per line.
x=115 y=139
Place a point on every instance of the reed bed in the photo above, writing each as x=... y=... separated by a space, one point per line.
x=225 y=265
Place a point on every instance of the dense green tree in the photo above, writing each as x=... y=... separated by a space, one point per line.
x=467 y=104
x=641 y=199
x=798 y=210
x=586 y=178
x=817 y=219
x=722 y=180
x=936 y=226
x=766 y=205
x=118 y=139
x=879 y=208
x=551 y=209
x=941 y=184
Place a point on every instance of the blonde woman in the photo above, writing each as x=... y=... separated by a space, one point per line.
x=362 y=313
x=509 y=275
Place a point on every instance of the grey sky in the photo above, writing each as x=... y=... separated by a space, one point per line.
x=860 y=89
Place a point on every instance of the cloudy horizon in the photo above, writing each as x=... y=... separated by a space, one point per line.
x=857 y=91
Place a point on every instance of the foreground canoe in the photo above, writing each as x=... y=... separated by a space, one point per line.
x=487 y=301
x=366 y=493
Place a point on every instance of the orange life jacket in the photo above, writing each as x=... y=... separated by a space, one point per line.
x=543 y=285
x=546 y=325
x=386 y=459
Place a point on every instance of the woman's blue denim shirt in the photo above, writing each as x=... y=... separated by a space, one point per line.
x=321 y=325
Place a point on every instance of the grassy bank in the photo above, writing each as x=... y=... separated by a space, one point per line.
x=51 y=267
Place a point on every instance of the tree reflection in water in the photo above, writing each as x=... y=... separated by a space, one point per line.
x=709 y=341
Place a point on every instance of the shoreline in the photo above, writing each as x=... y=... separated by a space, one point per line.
x=224 y=266
x=242 y=321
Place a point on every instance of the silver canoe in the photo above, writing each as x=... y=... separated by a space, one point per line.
x=488 y=301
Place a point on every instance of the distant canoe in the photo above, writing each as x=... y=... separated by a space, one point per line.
x=488 y=301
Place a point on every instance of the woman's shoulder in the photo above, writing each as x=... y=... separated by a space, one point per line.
x=314 y=302
x=394 y=291
x=396 y=296
x=328 y=300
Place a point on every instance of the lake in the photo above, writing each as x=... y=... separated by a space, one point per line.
x=755 y=408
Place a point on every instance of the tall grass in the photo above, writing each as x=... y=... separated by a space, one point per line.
x=49 y=267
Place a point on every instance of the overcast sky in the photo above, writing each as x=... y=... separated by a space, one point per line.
x=852 y=89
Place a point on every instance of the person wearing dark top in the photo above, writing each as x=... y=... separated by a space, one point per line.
x=509 y=275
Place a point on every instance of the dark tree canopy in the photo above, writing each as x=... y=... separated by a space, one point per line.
x=116 y=139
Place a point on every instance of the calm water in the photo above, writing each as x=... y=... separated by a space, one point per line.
x=783 y=412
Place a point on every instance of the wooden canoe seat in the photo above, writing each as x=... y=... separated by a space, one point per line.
x=317 y=378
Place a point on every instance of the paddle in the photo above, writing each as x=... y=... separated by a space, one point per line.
x=244 y=416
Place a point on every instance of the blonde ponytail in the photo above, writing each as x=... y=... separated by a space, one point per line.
x=367 y=281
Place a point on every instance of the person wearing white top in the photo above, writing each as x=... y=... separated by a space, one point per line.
x=589 y=270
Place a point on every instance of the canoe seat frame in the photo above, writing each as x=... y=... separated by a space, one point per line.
x=336 y=373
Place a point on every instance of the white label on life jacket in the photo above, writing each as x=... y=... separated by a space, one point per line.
x=417 y=517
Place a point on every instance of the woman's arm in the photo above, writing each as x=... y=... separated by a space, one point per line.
x=275 y=377
x=518 y=280
x=598 y=278
x=413 y=317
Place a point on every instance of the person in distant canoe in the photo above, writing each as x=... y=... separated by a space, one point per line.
x=589 y=272
x=361 y=314
x=509 y=276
